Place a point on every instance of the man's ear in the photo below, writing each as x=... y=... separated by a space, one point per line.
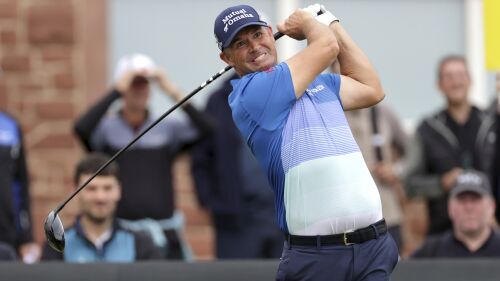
x=226 y=58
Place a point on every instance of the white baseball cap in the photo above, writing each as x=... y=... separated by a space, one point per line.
x=134 y=62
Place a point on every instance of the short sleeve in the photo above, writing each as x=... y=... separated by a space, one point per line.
x=333 y=82
x=266 y=96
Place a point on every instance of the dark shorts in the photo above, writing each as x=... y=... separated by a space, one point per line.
x=368 y=261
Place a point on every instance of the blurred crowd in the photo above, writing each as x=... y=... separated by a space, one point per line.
x=438 y=184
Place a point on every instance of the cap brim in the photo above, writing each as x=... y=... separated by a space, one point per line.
x=461 y=189
x=231 y=37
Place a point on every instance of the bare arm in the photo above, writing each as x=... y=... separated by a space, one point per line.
x=321 y=51
x=360 y=85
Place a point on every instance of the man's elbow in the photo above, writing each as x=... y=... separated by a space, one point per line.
x=377 y=95
x=380 y=95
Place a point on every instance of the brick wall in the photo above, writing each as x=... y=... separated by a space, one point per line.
x=53 y=54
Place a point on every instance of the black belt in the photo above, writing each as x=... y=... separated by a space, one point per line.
x=347 y=238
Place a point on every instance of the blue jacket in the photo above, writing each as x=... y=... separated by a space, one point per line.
x=15 y=218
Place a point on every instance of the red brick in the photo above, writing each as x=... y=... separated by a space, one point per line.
x=64 y=81
x=55 y=141
x=30 y=87
x=8 y=10
x=56 y=54
x=46 y=190
x=55 y=110
x=3 y=96
x=8 y=37
x=24 y=105
x=15 y=63
x=52 y=23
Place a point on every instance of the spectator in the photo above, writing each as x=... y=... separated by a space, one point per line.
x=15 y=216
x=96 y=234
x=7 y=253
x=459 y=137
x=146 y=169
x=495 y=176
x=471 y=209
x=232 y=186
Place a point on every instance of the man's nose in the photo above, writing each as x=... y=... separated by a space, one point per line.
x=100 y=194
x=252 y=44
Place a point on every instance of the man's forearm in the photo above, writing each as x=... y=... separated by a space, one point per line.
x=353 y=61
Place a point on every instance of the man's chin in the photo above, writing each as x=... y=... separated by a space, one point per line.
x=97 y=219
x=471 y=231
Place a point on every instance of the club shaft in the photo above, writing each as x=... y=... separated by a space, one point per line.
x=277 y=35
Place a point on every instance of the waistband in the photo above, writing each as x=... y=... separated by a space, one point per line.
x=361 y=235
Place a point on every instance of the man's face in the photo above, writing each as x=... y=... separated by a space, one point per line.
x=454 y=81
x=252 y=50
x=99 y=199
x=471 y=213
x=136 y=98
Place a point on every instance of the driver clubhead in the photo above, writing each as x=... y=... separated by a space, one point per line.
x=54 y=231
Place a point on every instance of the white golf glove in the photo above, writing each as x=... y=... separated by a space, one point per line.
x=325 y=18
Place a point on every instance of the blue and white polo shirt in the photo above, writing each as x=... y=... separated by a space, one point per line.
x=321 y=183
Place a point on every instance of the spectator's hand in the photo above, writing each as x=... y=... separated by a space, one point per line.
x=385 y=173
x=124 y=83
x=30 y=252
x=449 y=178
x=166 y=85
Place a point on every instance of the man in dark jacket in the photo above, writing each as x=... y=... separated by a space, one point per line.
x=15 y=216
x=459 y=137
x=231 y=185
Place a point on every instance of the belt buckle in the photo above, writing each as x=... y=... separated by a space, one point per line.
x=345 y=240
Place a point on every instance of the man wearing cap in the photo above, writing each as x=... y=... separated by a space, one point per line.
x=472 y=211
x=291 y=116
x=146 y=169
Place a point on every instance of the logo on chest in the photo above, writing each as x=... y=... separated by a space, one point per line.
x=315 y=90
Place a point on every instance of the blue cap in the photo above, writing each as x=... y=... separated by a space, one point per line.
x=233 y=19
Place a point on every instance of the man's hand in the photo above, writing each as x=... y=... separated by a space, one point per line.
x=385 y=173
x=448 y=179
x=293 y=25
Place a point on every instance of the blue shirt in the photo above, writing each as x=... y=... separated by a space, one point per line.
x=320 y=180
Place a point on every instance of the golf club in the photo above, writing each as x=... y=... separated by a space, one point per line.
x=54 y=229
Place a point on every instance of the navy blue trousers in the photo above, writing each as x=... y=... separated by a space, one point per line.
x=372 y=260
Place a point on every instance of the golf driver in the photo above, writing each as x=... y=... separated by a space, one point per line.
x=54 y=229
